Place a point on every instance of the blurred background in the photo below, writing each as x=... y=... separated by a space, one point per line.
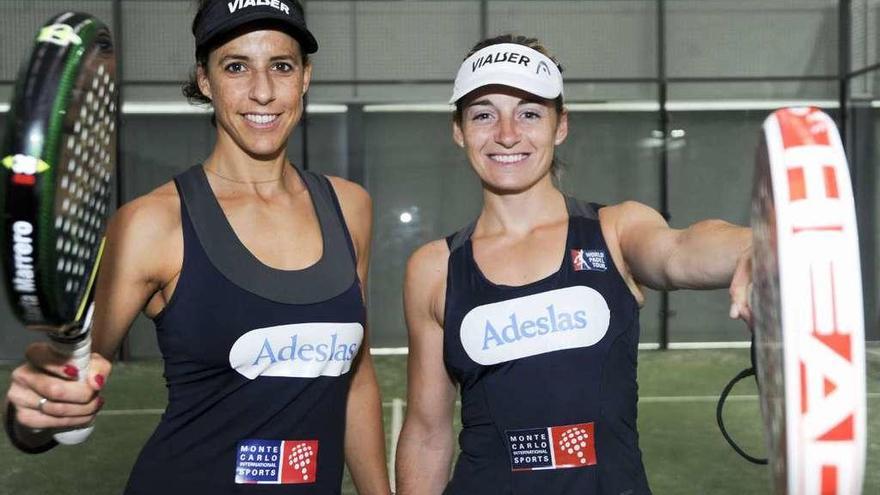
x=666 y=101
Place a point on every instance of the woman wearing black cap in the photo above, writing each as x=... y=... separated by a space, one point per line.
x=531 y=311
x=253 y=273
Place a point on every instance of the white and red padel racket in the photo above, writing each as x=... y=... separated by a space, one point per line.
x=807 y=302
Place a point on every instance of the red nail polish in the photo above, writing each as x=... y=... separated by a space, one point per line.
x=100 y=402
x=71 y=371
x=99 y=379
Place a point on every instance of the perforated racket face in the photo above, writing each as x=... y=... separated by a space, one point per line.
x=766 y=306
x=83 y=179
x=808 y=306
x=58 y=162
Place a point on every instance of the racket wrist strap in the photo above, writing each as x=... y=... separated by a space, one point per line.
x=24 y=439
x=720 y=419
x=750 y=371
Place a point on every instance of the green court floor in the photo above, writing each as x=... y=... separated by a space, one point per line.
x=683 y=451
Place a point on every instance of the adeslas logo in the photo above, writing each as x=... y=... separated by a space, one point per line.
x=551 y=321
x=536 y=324
x=303 y=350
x=328 y=351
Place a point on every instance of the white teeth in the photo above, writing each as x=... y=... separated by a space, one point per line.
x=509 y=158
x=260 y=118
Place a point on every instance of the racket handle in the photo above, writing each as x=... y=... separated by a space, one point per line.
x=79 y=353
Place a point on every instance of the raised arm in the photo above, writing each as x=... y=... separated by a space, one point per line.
x=137 y=255
x=425 y=448
x=364 y=434
x=710 y=254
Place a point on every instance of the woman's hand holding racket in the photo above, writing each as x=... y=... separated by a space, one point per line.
x=49 y=394
x=741 y=289
x=58 y=160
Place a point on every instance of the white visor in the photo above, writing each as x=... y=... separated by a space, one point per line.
x=509 y=64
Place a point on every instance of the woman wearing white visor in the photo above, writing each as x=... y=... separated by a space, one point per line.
x=532 y=309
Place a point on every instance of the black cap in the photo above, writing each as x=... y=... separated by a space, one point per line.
x=221 y=17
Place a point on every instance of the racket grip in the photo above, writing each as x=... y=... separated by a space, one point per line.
x=79 y=353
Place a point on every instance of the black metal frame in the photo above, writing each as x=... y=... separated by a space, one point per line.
x=662 y=90
x=844 y=77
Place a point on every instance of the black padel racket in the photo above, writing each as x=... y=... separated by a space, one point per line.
x=807 y=301
x=58 y=160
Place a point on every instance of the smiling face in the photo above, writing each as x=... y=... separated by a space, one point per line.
x=256 y=83
x=509 y=136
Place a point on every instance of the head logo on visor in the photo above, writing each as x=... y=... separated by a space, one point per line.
x=509 y=64
x=543 y=69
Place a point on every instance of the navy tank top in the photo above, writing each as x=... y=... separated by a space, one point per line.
x=547 y=373
x=257 y=360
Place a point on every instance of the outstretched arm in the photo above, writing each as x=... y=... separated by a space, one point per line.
x=134 y=264
x=710 y=254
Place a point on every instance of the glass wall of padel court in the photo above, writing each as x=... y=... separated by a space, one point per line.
x=666 y=100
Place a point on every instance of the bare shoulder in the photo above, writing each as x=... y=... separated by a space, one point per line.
x=145 y=235
x=628 y=220
x=429 y=259
x=612 y=216
x=157 y=212
x=629 y=211
x=616 y=221
x=425 y=282
x=352 y=196
x=357 y=208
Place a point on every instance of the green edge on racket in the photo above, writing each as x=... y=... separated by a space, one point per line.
x=57 y=164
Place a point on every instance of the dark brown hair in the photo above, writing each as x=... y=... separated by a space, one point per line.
x=190 y=88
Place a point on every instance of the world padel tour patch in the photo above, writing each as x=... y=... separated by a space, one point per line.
x=276 y=462
x=555 y=447
x=588 y=260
